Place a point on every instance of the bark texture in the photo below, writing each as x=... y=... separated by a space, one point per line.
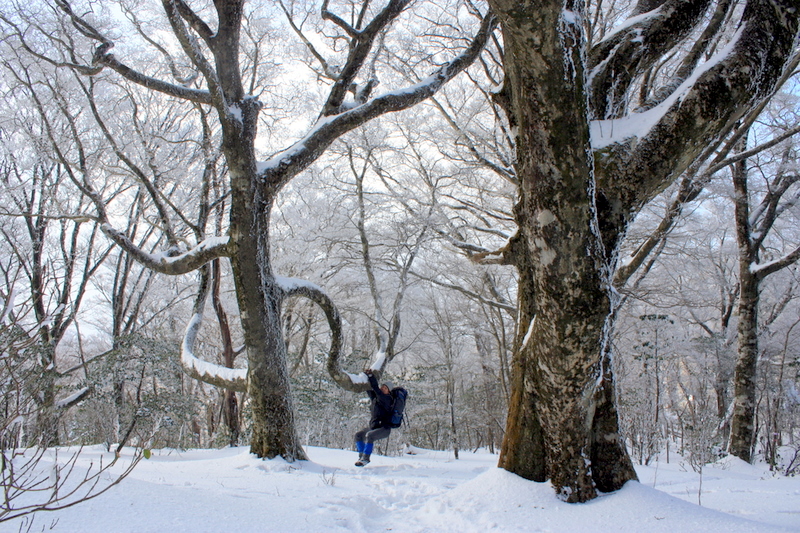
x=575 y=204
x=562 y=291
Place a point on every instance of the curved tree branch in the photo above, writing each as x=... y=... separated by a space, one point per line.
x=621 y=57
x=347 y=381
x=766 y=269
x=328 y=15
x=182 y=263
x=227 y=378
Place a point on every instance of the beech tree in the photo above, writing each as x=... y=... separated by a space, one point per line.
x=214 y=57
x=758 y=258
x=601 y=129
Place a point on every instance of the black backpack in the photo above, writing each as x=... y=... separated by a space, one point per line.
x=398 y=406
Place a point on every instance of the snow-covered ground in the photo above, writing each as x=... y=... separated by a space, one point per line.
x=230 y=490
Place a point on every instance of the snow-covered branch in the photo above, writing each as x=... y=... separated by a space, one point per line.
x=298 y=287
x=288 y=163
x=653 y=147
x=234 y=379
x=74 y=398
x=169 y=263
x=765 y=269
x=632 y=48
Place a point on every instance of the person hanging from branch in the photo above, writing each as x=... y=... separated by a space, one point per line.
x=387 y=413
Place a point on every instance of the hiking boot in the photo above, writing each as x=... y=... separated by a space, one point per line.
x=363 y=460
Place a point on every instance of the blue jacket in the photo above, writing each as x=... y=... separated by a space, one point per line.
x=381 y=405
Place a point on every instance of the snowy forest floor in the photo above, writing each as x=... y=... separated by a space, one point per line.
x=230 y=490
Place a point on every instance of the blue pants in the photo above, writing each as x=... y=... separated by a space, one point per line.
x=365 y=439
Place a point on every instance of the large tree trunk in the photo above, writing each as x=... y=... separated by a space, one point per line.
x=258 y=294
x=562 y=415
x=523 y=449
x=259 y=298
x=47 y=413
x=557 y=360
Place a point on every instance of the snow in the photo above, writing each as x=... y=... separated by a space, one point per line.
x=204 y=368
x=791 y=392
x=632 y=21
x=607 y=132
x=545 y=217
x=378 y=360
x=236 y=112
x=230 y=490
x=358 y=378
x=287 y=284
x=72 y=397
x=8 y=305
x=570 y=17
x=48 y=320
x=528 y=333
